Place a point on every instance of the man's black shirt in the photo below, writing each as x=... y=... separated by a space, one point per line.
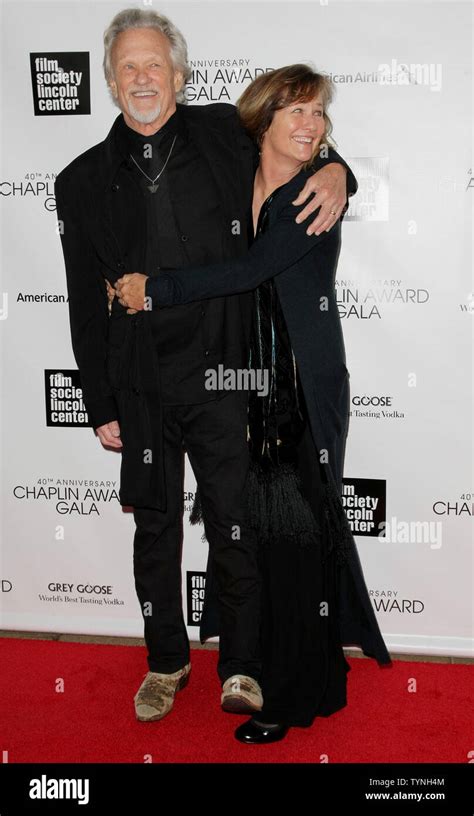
x=180 y=334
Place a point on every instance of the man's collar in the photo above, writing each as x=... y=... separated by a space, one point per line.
x=122 y=139
x=172 y=126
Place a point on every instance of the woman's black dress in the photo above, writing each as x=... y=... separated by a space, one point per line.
x=304 y=669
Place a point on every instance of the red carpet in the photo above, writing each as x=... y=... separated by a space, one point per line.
x=93 y=719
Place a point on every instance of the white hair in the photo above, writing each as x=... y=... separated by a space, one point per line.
x=137 y=18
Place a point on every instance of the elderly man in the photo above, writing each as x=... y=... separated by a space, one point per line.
x=171 y=186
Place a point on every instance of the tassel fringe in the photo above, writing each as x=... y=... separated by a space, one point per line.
x=276 y=506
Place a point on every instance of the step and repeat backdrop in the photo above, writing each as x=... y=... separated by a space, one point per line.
x=403 y=119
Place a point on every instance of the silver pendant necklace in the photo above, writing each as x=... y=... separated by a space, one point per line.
x=154 y=186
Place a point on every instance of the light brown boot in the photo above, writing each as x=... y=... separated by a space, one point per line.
x=155 y=697
x=241 y=695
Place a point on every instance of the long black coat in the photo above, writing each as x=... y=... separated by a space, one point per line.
x=104 y=236
x=304 y=270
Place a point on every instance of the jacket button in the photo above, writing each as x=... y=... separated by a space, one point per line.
x=115 y=187
x=206 y=353
x=184 y=237
x=135 y=391
x=202 y=312
x=120 y=265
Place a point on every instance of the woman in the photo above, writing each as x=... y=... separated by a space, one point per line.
x=314 y=594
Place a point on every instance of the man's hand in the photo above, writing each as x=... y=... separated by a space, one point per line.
x=131 y=291
x=329 y=184
x=110 y=295
x=109 y=435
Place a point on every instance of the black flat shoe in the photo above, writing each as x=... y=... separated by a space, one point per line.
x=251 y=733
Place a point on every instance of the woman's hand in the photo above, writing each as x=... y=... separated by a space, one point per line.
x=110 y=297
x=130 y=290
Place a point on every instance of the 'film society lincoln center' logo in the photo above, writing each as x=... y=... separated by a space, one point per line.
x=61 y=83
x=64 y=404
x=195 y=590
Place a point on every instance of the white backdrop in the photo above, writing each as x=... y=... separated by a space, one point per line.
x=403 y=119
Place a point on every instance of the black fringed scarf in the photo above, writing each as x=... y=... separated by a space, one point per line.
x=276 y=505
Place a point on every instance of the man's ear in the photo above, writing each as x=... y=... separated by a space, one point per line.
x=178 y=80
x=113 y=87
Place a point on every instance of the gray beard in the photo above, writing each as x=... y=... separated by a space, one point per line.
x=141 y=116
